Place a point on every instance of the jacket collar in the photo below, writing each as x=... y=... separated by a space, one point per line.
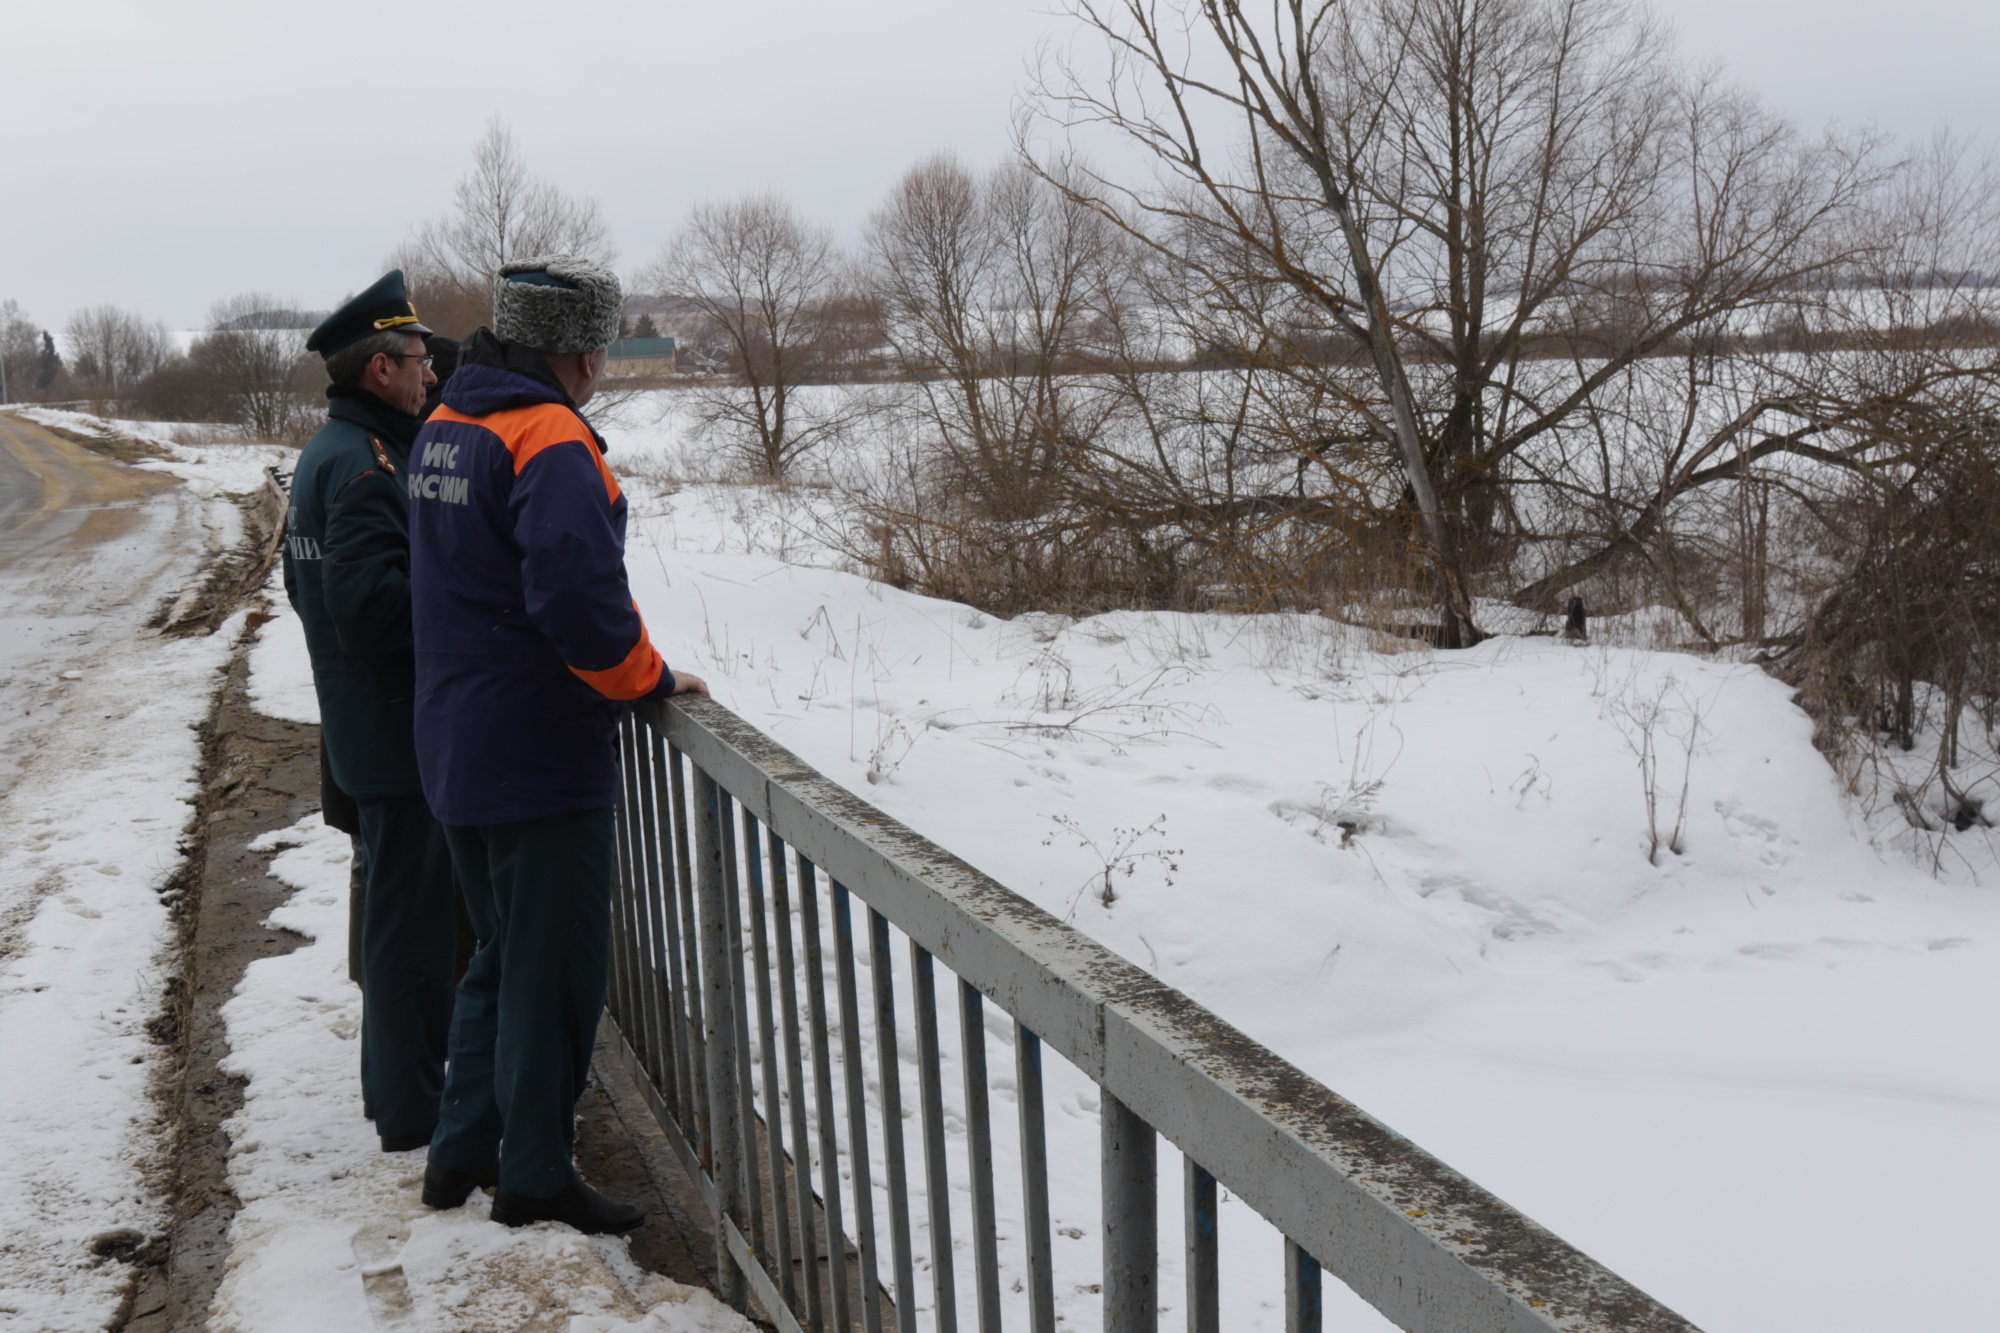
x=493 y=376
x=370 y=413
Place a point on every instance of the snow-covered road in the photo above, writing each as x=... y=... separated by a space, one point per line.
x=97 y=763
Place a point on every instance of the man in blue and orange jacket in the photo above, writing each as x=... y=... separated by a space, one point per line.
x=529 y=648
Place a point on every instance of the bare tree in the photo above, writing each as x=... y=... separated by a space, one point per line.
x=1500 y=208
x=112 y=348
x=261 y=372
x=991 y=288
x=501 y=212
x=769 y=285
x=20 y=350
x=1000 y=301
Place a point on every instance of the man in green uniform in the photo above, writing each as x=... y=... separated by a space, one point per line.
x=347 y=572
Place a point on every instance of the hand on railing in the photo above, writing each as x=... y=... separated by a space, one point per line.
x=687 y=683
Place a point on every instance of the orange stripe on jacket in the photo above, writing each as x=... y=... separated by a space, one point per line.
x=633 y=678
x=526 y=431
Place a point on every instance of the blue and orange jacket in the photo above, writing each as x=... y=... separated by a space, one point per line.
x=528 y=644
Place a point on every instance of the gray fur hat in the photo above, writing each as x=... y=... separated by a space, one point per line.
x=557 y=303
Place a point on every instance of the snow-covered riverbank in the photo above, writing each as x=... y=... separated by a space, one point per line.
x=1429 y=879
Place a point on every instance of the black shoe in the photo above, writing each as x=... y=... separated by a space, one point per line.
x=405 y=1142
x=445 y=1188
x=579 y=1206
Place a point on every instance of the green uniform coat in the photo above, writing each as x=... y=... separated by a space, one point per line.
x=347 y=573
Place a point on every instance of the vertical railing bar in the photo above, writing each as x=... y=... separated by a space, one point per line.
x=1204 y=1300
x=695 y=1112
x=1034 y=1179
x=718 y=942
x=930 y=1098
x=634 y=1018
x=620 y=987
x=746 y=1095
x=767 y=1029
x=829 y=1144
x=666 y=932
x=788 y=1002
x=853 y=1080
x=658 y=1041
x=979 y=1155
x=1131 y=1219
x=1302 y=1290
x=889 y=1071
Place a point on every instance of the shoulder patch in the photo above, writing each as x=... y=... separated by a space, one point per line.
x=382 y=456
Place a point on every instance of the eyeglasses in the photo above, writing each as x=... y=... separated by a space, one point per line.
x=424 y=357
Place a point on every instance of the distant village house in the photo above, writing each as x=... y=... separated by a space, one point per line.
x=641 y=356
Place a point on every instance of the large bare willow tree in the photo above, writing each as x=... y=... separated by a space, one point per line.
x=1483 y=223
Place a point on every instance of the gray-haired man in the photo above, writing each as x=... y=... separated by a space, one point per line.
x=347 y=572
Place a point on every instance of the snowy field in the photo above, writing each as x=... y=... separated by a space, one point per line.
x=1760 y=1078
x=1757 y=1077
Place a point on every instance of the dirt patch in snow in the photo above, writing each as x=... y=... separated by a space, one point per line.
x=234 y=580
x=258 y=774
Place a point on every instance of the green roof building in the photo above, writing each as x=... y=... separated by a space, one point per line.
x=641 y=356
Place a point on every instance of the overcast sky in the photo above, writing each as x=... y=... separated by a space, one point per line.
x=163 y=155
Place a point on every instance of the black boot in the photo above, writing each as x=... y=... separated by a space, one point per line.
x=449 y=1189
x=579 y=1206
x=405 y=1142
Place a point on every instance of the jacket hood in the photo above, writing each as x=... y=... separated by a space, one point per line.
x=493 y=376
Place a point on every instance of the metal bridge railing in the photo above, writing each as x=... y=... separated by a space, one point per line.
x=738 y=960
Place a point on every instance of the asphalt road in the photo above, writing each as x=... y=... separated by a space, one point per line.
x=57 y=497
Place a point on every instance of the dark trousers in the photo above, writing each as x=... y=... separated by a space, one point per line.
x=408 y=929
x=526 y=1020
